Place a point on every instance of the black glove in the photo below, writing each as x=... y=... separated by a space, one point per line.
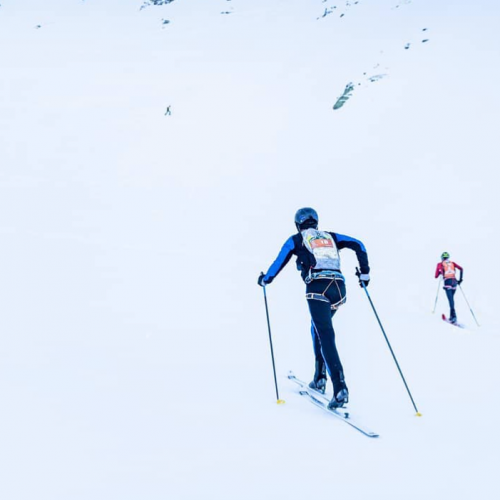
x=459 y=282
x=364 y=279
x=262 y=282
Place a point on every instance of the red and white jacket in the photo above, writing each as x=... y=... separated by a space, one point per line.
x=447 y=269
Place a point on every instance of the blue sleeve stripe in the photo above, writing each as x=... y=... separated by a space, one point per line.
x=282 y=259
x=343 y=237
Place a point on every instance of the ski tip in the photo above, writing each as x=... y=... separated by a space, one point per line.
x=418 y=414
x=280 y=402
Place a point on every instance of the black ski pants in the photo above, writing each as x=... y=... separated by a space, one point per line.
x=450 y=287
x=325 y=349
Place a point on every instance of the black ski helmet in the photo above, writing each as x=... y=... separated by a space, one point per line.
x=306 y=217
x=445 y=255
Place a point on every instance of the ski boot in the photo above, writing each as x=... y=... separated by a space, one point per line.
x=339 y=399
x=319 y=381
x=453 y=316
x=318 y=385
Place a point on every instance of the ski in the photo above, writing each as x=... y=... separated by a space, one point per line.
x=320 y=400
x=451 y=322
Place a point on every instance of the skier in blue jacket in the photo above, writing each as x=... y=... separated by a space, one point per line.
x=318 y=260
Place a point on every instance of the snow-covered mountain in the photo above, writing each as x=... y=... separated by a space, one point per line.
x=149 y=170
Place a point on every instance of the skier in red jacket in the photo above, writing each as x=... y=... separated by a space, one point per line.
x=447 y=269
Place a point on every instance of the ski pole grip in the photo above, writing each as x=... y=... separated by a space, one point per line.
x=261 y=282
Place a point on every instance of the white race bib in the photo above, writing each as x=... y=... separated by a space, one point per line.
x=322 y=245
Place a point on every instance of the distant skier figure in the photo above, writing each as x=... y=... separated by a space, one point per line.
x=318 y=260
x=168 y=112
x=447 y=269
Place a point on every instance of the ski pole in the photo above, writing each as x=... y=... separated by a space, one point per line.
x=470 y=308
x=418 y=414
x=437 y=293
x=278 y=400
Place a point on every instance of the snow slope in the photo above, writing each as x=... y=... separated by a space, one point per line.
x=134 y=354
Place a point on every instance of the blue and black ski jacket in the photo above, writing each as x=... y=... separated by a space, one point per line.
x=305 y=260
